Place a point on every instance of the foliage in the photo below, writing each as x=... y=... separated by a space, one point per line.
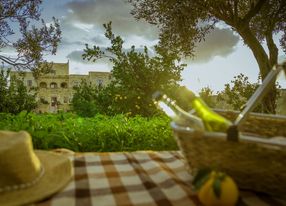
x=84 y=100
x=33 y=42
x=14 y=96
x=207 y=94
x=239 y=91
x=135 y=75
x=184 y=23
x=98 y=134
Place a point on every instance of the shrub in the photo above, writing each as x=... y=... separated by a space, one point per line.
x=97 y=134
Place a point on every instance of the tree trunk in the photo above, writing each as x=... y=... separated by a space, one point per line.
x=265 y=65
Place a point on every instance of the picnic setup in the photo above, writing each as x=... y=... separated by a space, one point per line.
x=224 y=158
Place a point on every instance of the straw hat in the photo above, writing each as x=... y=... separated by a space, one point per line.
x=26 y=175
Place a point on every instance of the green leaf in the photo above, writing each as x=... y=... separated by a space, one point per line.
x=217 y=186
x=201 y=177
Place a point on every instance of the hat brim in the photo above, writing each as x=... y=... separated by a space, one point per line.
x=58 y=172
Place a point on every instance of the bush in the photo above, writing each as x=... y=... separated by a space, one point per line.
x=98 y=134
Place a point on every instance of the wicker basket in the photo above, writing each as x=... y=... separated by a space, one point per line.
x=257 y=162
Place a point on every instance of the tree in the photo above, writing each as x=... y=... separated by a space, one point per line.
x=135 y=75
x=14 y=96
x=207 y=95
x=84 y=100
x=239 y=91
x=183 y=23
x=16 y=15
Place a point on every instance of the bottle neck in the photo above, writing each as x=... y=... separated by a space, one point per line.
x=182 y=117
x=172 y=104
x=200 y=106
x=196 y=102
x=186 y=94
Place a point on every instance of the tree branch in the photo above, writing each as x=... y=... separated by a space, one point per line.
x=14 y=63
x=273 y=50
x=253 y=11
x=235 y=11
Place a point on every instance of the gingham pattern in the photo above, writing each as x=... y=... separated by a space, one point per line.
x=136 y=178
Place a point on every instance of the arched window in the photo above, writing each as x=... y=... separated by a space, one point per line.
x=53 y=85
x=43 y=85
x=64 y=85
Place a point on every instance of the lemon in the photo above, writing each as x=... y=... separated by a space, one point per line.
x=218 y=189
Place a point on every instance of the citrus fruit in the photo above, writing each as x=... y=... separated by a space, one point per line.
x=218 y=189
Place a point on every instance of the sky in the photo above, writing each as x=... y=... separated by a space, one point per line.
x=217 y=60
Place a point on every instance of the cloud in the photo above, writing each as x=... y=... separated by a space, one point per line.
x=65 y=42
x=82 y=24
x=98 y=12
x=8 y=49
x=73 y=36
x=79 y=34
x=100 y=40
x=219 y=42
x=77 y=55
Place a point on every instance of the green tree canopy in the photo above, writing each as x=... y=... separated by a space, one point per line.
x=207 y=94
x=14 y=96
x=135 y=75
x=84 y=101
x=238 y=92
x=32 y=42
x=184 y=23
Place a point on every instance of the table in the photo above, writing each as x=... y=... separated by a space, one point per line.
x=143 y=178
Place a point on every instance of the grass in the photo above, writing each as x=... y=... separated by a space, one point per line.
x=97 y=134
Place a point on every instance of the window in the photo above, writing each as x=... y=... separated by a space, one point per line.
x=29 y=83
x=99 y=82
x=54 y=101
x=43 y=101
x=53 y=85
x=53 y=72
x=64 y=85
x=43 y=85
x=75 y=84
x=66 y=99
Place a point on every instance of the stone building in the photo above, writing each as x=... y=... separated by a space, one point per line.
x=55 y=89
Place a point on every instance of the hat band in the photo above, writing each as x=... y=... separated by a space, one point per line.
x=24 y=185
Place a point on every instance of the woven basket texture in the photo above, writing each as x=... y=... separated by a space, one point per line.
x=253 y=166
x=261 y=125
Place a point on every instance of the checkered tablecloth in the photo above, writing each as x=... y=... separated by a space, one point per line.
x=135 y=178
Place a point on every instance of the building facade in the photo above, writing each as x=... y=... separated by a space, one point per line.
x=55 y=89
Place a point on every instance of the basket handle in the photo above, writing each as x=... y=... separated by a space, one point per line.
x=232 y=133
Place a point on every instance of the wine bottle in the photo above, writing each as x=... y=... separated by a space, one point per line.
x=178 y=115
x=212 y=121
